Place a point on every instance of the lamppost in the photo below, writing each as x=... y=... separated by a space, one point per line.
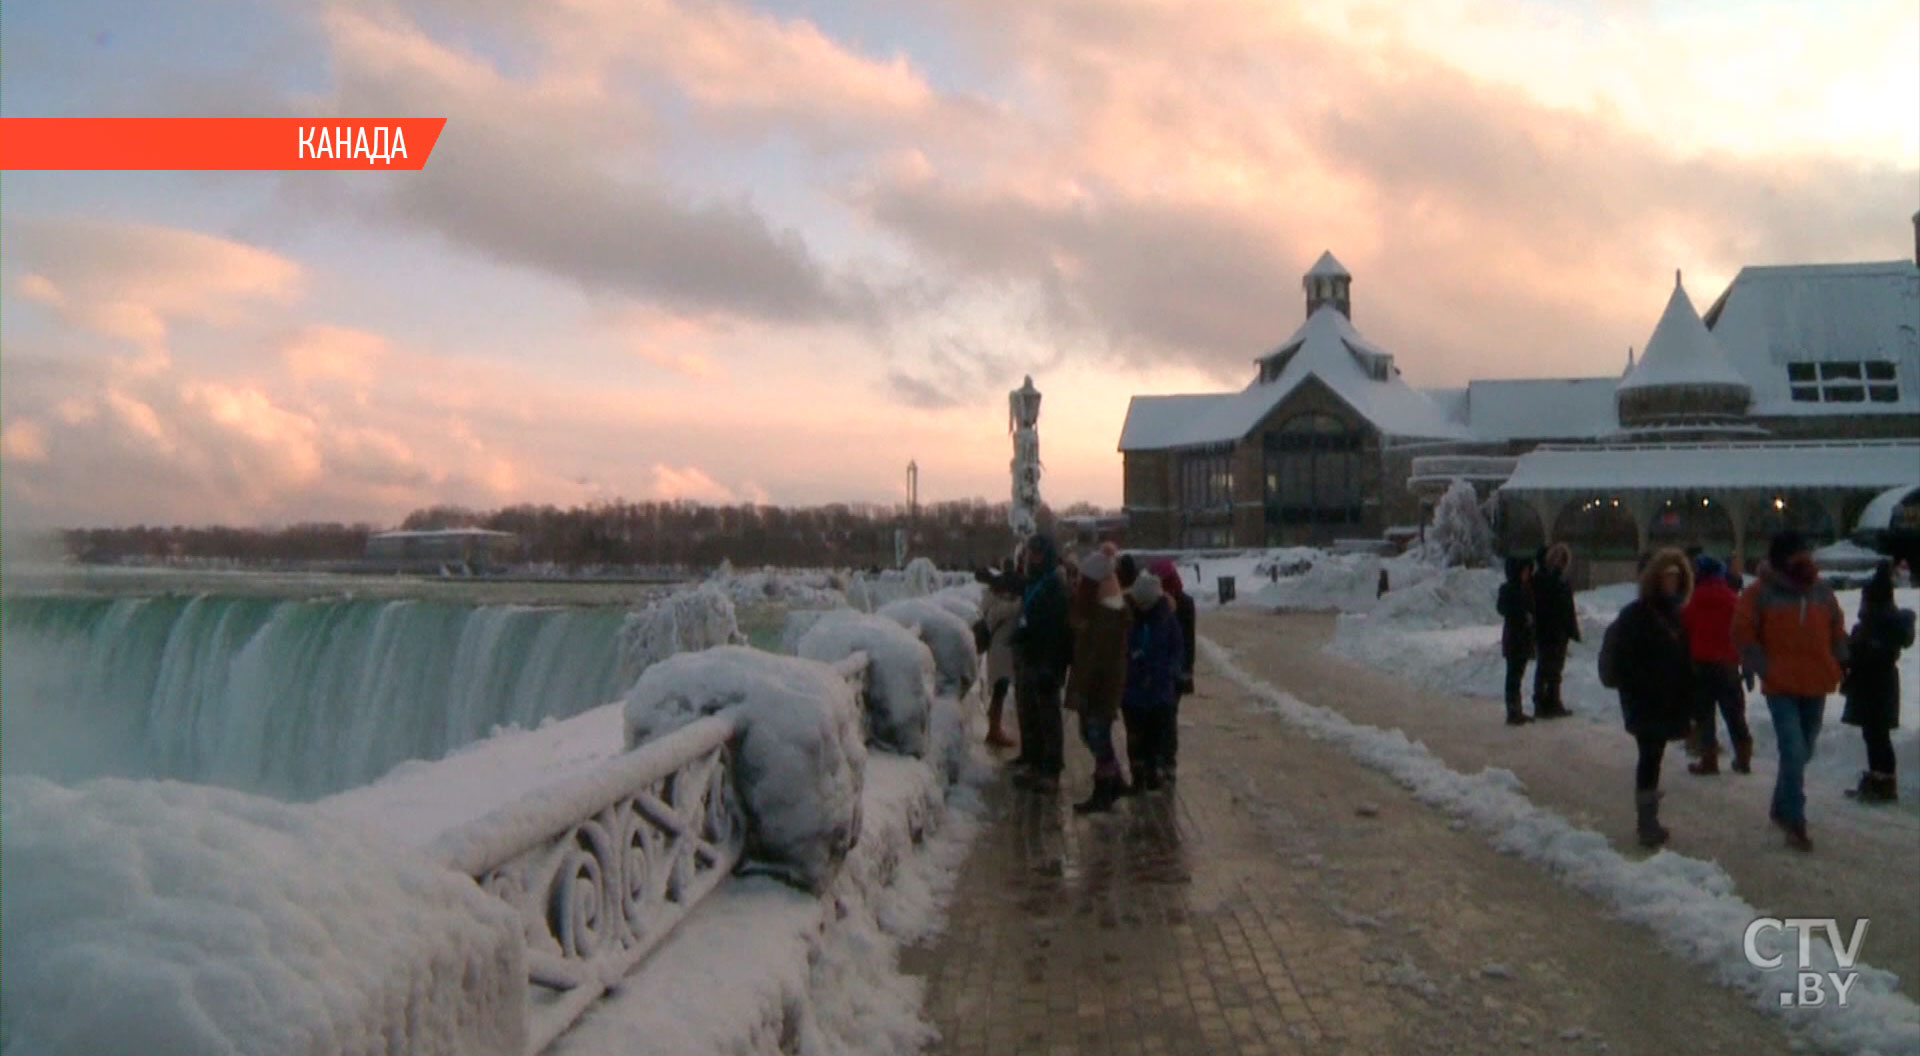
x=1023 y=419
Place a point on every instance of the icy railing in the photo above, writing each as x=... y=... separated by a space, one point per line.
x=602 y=866
x=1471 y=467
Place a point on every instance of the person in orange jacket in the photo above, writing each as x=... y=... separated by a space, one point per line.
x=1791 y=633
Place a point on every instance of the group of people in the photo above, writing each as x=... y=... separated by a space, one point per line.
x=1537 y=625
x=1691 y=645
x=1098 y=636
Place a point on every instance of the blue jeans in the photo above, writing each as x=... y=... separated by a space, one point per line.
x=1796 y=726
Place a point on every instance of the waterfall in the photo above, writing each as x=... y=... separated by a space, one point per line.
x=288 y=698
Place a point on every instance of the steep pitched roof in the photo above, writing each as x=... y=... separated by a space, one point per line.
x=1326 y=265
x=1681 y=352
x=1326 y=347
x=1772 y=316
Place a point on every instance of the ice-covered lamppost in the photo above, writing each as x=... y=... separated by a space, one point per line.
x=1023 y=419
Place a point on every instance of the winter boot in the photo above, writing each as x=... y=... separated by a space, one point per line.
x=1889 y=788
x=1516 y=717
x=1106 y=791
x=1875 y=788
x=1709 y=761
x=1743 y=756
x=996 y=738
x=1797 y=837
x=1646 y=804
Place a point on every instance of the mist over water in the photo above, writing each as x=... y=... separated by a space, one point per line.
x=292 y=698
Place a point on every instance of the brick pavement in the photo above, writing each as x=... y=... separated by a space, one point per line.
x=1282 y=900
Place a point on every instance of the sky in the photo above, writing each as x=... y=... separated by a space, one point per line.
x=738 y=252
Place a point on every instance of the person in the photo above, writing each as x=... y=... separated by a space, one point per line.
x=1716 y=670
x=1042 y=653
x=1000 y=611
x=1872 y=684
x=1097 y=684
x=1554 y=625
x=1515 y=604
x=1789 y=630
x=1126 y=568
x=1155 y=657
x=1656 y=679
x=1176 y=592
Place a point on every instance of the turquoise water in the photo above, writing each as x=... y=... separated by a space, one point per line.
x=288 y=698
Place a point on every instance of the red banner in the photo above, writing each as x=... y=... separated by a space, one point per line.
x=204 y=143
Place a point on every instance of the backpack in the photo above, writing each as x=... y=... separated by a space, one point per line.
x=1610 y=656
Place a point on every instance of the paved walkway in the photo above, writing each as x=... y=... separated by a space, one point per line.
x=1286 y=900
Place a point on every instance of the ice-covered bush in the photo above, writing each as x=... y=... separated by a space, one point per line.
x=1460 y=535
x=171 y=918
x=797 y=624
x=799 y=761
x=963 y=601
x=685 y=622
x=956 y=662
x=900 y=686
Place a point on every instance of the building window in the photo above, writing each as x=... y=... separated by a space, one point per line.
x=1846 y=381
x=1313 y=471
x=1206 y=481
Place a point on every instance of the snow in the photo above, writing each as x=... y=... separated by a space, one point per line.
x=686 y=621
x=1327 y=266
x=1681 y=352
x=1720 y=467
x=900 y=688
x=1460 y=535
x=1880 y=513
x=948 y=635
x=1326 y=347
x=171 y=918
x=1690 y=904
x=800 y=756
x=1542 y=409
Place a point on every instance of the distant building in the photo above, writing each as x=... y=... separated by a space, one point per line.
x=1794 y=401
x=472 y=548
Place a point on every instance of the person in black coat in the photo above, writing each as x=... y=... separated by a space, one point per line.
x=1515 y=604
x=1656 y=678
x=1872 y=685
x=1554 y=625
x=1042 y=652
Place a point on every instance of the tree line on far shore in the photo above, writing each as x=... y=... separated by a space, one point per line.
x=960 y=534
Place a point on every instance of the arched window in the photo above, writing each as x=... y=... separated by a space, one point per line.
x=1313 y=465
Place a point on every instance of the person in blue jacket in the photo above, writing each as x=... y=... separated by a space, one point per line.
x=1156 y=656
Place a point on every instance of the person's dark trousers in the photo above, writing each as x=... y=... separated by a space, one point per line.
x=1717 y=687
x=1143 y=749
x=1036 y=697
x=1879 y=749
x=1170 y=737
x=1516 y=678
x=1646 y=773
x=1547 y=670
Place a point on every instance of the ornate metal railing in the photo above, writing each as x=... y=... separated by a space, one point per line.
x=603 y=865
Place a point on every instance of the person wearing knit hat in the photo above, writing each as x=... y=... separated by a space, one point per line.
x=1154 y=661
x=1708 y=617
x=1097 y=680
x=1789 y=629
x=1042 y=652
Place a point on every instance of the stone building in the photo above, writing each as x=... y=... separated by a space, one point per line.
x=1794 y=401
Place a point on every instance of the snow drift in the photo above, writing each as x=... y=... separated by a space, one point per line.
x=685 y=622
x=171 y=918
x=950 y=638
x=800 y=760
x=900 y=686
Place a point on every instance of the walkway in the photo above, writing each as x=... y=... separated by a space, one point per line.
x=1287 y=900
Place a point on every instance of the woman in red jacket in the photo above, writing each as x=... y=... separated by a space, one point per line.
x=1716 y=669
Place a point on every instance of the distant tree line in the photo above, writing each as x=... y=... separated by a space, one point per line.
x=647 y=534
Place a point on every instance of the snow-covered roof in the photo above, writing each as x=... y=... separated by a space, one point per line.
x=1326 y=347
x=1761 y=466
x=1681 y=352
x=1878 y=514
x=1542 y=408
x=1326 y=265
x=1772 y=316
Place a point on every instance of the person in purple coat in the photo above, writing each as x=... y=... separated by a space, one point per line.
x=1156 y=656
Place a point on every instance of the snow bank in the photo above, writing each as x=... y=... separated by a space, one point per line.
x=796 y=626
x=963 y=601
x=810 y=589
x=950 y=637
x=1338 y=583
x=799 y=761
x=684 y=622
x=1689 y=904
x=172 y=918
x=919 y=579
x=900 y=684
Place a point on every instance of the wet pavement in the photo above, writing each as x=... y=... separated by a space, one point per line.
x=1282 y=899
